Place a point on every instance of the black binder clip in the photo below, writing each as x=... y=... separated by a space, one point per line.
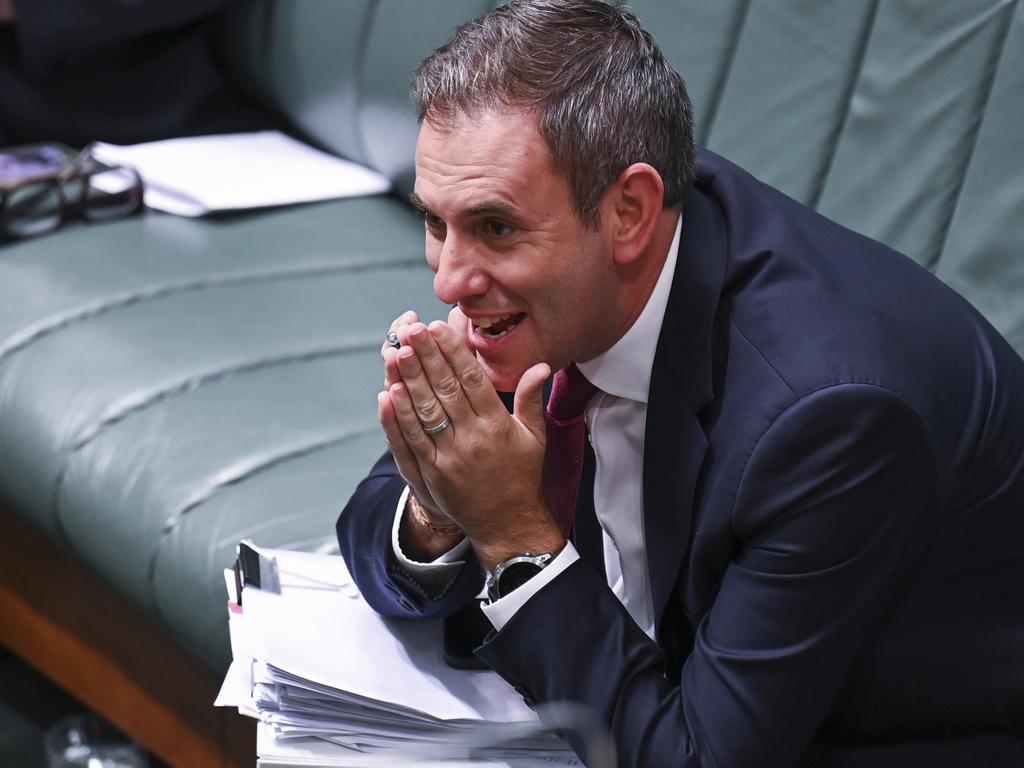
x=253 y=569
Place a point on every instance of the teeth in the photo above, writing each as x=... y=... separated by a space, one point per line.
x=487 y=322
x=506 y=332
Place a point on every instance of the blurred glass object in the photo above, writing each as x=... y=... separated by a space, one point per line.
x=85 y=741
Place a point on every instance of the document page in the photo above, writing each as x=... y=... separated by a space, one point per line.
x=198 y=175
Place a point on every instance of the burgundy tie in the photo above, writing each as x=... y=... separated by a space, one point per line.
x=563 y=459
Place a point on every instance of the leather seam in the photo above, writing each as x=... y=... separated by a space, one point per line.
x=103 y=307
x=188 y=385
x=210 y=491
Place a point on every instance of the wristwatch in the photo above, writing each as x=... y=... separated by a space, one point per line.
x=511 y=574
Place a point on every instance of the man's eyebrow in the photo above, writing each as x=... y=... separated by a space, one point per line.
x=492 y=207
x=489 y=207
x=418 y=203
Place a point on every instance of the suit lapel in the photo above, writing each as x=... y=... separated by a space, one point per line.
x=587 y=534
x=681 y=385
x=677 y=443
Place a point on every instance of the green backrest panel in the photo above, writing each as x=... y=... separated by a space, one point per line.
x=340 y=71
x=401 y=36
x=902 y=120
x=699 y=38
x=983 y=257
x=913 y=119
x=785 y=95
x=302 y=58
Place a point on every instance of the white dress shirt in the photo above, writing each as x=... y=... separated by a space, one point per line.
x=616 y=420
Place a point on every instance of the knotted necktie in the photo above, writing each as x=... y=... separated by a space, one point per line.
x=563 y=458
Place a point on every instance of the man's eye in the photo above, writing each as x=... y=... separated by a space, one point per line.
x=433 y=223
x=498 y=229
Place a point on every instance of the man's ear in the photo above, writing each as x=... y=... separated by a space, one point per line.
x=633 y=205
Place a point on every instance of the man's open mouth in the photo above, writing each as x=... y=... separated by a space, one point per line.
x=497 y=326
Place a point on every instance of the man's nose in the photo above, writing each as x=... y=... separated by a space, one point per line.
x=458 y=274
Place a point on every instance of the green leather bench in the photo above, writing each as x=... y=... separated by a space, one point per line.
x=169 y=386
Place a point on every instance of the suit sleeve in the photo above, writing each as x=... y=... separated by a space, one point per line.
x=826 y=515
x=364 y=535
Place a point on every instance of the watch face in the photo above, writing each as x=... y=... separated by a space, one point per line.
x=514 y=576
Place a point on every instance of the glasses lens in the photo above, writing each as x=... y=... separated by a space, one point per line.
x=112 y=193
x=72 y=189
x=33 y=209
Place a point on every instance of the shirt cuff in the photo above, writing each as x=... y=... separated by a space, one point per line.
x=435 y=574
x=501 y=611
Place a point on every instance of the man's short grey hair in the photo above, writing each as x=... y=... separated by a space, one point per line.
x=605 y=95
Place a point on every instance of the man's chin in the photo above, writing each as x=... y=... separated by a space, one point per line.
x=505 y=378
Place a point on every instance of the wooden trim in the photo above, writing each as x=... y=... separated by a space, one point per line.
x=64 y=620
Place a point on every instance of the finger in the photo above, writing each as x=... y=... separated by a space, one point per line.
x=479 y=391
x=425 y=400
x=529 y=400
x=459 y=322
x=406 y=318
x=411 y=426
x=444 y=384
x=391 y=372
x=405 y=460
x=425 y=403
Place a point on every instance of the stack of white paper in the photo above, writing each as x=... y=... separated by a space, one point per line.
x=333 y=683
x=205 y=174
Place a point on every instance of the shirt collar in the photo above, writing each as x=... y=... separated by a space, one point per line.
x=625 y=369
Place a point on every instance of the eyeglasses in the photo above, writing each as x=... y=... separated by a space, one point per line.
x=83 y=188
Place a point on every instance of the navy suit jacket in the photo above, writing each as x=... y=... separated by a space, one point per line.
x=833 y=510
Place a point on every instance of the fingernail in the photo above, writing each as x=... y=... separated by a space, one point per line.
x=419 y=334
x=380 y=397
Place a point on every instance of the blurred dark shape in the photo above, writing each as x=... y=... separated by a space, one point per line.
x=77 y=71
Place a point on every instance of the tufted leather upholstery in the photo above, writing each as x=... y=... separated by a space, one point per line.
x=169 y=386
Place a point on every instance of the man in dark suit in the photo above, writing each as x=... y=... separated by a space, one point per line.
x=807 y=452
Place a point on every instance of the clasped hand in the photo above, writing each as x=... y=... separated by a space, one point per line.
x=484 y=470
